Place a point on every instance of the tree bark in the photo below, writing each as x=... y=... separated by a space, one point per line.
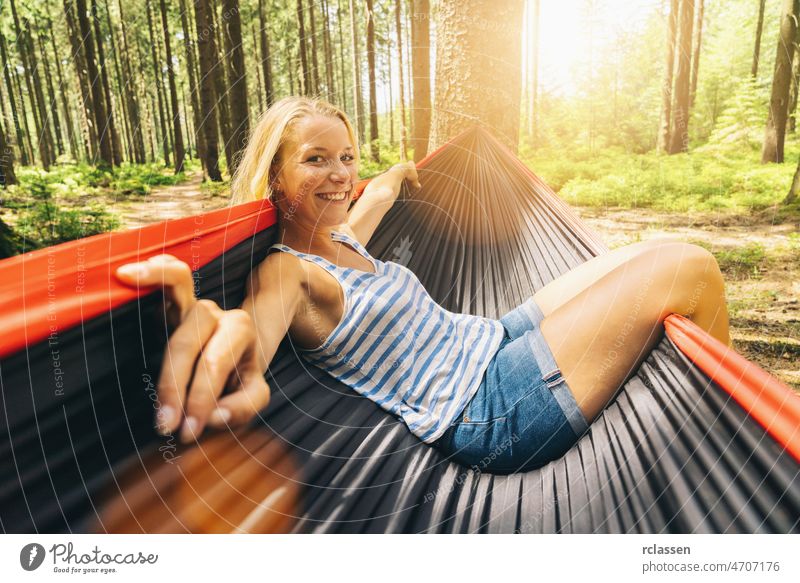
x=794 y=86
x=208 y=126
x=314 y=58
x=329 y=62
x=162 y=116
x=421 y=82
x=177 y=132
x=73 y=139
x=359 y=106
x=665 y=126
x=51 y=94
x=101 y=118
x=679 y=139
x=403 y=134
x=127 y=128
x=306 y=81
x=131 y=92
x=478 y=79
x=237 y=82
x=116 y=147
x=89 y=130
x=21 y=142
x=757 y=48
x=775 y=134
x=698 y=40
x=794 y=190
x=373 y=99
x=265 y=58
x=7 y=174
x=342 y=60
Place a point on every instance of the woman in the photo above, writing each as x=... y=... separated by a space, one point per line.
x=507 y=394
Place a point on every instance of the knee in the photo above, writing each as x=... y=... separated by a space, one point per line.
x=687 y=259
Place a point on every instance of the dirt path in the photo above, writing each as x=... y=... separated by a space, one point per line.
x=168 y=202
x=763 y=299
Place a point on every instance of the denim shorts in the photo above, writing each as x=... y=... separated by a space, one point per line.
x=523 y=415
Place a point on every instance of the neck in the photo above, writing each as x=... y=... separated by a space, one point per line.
x=300 y=235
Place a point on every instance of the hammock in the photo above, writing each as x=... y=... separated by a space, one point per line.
x=698 y=440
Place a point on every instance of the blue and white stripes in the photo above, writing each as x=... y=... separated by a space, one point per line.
x=398 y=347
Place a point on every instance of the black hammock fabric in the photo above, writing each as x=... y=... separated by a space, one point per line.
x=672 y=453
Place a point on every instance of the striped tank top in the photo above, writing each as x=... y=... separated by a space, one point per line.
x=396 y=346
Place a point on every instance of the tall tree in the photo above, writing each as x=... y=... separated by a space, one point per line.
x=177 y=133
x=265 y=58
x=101 y=118
x=162 y=116
x=51 y=94
x=359 y=106
x=116 y=147
x=307 y=83
x=421 y=82
x=698 y=39
x=237 y=92
x=757 y=47
x=131 y=93
x=679 y=138
x=794 y=85
x=403 y=136
x=772 y=150
x=73 y=140
x=7 y=174
x=22 y=142
x=478 y=79
x=373 y=98
x=206 y=49
x=667 y=84
x=314 y=57
x=326 y=42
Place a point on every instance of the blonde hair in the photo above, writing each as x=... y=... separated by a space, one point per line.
x=253 y=177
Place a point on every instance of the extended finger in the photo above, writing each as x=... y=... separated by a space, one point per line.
x=174 y=275
x=231 y=339
x=183 y=349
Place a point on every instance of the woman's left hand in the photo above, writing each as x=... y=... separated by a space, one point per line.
x=408 y=171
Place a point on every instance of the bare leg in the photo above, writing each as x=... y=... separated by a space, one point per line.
x=570 y=284
x=601 y=335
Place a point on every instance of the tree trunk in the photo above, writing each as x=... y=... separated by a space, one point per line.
x=265 y=58
x=757 y=48
x=679 y=139
x=89 y=130
x=794 y=190
x=403 y=135
x=24 y=115
x=21 y=142
x=237 y=93
x=373 y=99
x=51 y=93
x=219 y=74
x=73 y=139
x=664 y=132
x=329 y=63
x=116 y=147
x=421 y=83
x=131 y=92
x=177 y=132
x=698 y=39
x=342 y=60
x=359 y=106
x=101 y=118
x=478 y=79
x=38 y=103
x=782 y=78
x=126 y=125
x=193 y=87
x=7 y=174
x=208 y=126
x=158 y=82
x=794 y=86
x=314 y=59
x=306 y=79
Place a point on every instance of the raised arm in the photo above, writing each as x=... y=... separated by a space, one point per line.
x=211 y=349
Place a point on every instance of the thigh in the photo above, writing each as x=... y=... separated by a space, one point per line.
x=599 y=337
x=568 y=285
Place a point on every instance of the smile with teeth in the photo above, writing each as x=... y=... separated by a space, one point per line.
x=334 y=196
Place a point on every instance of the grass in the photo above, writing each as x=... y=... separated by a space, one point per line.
x=708 y=179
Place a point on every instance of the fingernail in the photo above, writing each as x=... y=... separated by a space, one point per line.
x=190 y=429
x=219 y=416
x=133 y=270
x=166 y=417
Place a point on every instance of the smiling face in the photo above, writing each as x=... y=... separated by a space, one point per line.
x=316 y=172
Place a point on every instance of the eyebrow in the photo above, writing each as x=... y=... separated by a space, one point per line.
x=321 y=149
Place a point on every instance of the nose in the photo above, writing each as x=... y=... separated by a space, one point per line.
x=339 y=172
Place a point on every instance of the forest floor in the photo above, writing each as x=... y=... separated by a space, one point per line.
x=760 y=261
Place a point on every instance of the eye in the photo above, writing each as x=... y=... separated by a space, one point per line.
x=348 y=157
x=314 y=159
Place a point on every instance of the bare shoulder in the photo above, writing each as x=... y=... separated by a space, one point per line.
x=347 y=230
x=280 y=270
